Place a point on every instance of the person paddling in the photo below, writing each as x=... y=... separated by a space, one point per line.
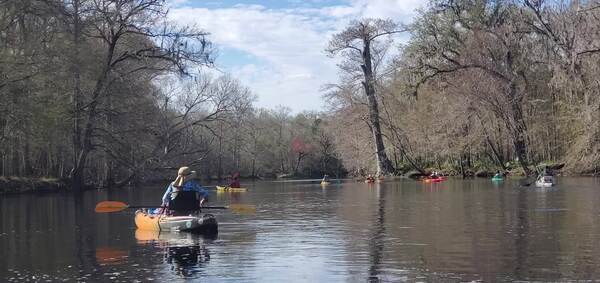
x=434 y=175
x=184 y=195
x=235 y=180
x=370 y=179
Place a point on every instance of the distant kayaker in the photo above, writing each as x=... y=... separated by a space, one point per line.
x=546 y=171
x=235 y=180
x=185 y=194
x=498 y=175
x=434 y=175
x=370 y=179
x=325 y=178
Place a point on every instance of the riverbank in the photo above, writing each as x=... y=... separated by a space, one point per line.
x=21 y=185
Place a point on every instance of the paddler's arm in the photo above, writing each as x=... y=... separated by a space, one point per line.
x=203 y=198
x=202 y=192
x=167 y=196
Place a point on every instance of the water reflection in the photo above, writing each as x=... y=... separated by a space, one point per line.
x=521 y=240
x=185 y=253
x=110 y=256
x=377 y=236
x=392 y=231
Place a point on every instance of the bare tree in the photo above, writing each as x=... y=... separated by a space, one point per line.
x=463 y=38
x=571 y=30
x=116 y=23
x=358 y=45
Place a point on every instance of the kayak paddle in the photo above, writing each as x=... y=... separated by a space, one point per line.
x=115 y=206
x=230 y=189
x=527 y=181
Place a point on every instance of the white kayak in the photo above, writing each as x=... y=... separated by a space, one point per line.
x=545 y=181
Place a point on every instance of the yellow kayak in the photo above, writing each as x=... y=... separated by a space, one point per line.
x=228 y=189
x=325 y=183
x=153 y=222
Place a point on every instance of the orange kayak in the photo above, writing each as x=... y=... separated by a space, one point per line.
x=206 y=223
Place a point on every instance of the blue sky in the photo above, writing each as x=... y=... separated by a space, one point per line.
x=276 y=47
x=273 y=4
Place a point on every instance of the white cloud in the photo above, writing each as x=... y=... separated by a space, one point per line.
x=398 y=10
x=175 y=3
x=289 y=44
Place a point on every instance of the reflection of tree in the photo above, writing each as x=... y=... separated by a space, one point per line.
x=376 y=244
x=521 y=241
x=85 y=233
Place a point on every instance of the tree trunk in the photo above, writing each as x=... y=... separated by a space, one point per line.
x=518 y=129
x=384 y=165
x=404 y=152
x=108 y=163
x=76 y=103
x=462 y=166
x=488 y=140
x=220 y=158
x=27 y=168
x=300 y=156
x=78 y=171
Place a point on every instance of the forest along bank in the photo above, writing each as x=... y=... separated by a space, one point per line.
x=79 y=105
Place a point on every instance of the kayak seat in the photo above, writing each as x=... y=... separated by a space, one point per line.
x=184 y=202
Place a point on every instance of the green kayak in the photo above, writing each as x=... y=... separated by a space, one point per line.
x=497 y=179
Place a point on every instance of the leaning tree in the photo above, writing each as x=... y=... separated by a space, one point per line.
x=360 y=46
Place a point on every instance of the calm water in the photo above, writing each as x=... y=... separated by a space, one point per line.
x=394 y=231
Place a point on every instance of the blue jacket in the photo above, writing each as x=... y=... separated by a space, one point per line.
x=190 y=185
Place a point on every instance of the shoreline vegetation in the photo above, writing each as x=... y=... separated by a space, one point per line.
x=20 y=185
x=89 y=96
x=24 y=185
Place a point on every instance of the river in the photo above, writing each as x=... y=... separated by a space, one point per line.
x=457 y=230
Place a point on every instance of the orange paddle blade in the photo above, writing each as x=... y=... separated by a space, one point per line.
x=110 y=206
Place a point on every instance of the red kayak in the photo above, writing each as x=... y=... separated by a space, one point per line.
x=434 y=180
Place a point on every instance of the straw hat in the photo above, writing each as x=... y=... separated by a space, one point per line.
x=183 y=175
